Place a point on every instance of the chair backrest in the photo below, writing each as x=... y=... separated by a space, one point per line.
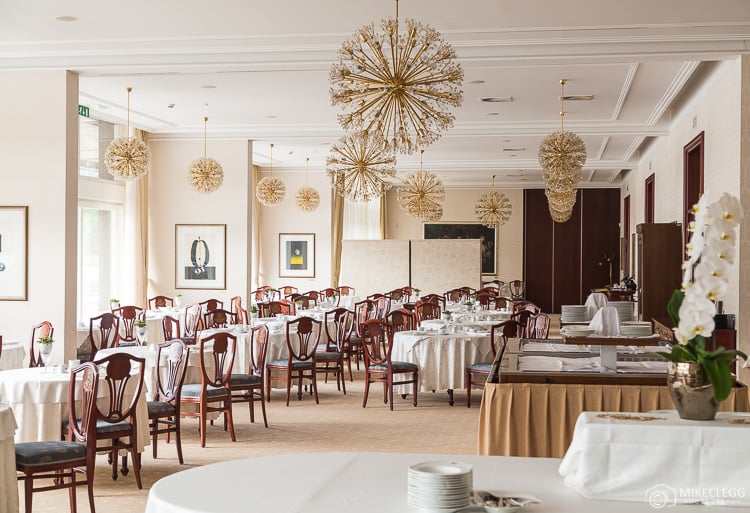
x=377 y=343
x=363 y=310
x=123 y=377
x=42 y=330
x=272 y=308
x=401 y=319
x=314 y=295
x=434 y=299
x=527 y=305
x=169 y=381
x=103 y=332
x=193 y=320
x=500 y=333
x=492 y=291
x=242 y=317
x=517 y=288
x=426 y=311
x=302 y=344
x=345 y=290
x=258 y=350
x=540 y=325
x=128 y=315
x=484 y=299
x=522 y=316
x=339 y=326
x=382 y=305
x=235 y=303
x=82 y=394
x=224 y=347
x=330 y=295
x=504 y=303
x=219 y=318
x=395 y=295
x=160 y=302
x=211 y=304
x=287 y=290
x=303 y=301
x=171 y=327
x=455 y=296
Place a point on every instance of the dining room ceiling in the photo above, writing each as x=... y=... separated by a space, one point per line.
x=259 y=70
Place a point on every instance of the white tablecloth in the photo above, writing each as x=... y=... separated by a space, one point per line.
x=442 y=359
x=658 y=456
x=360 y=483
x=13 y=355
x=154 y=329
x=39 y=399
x=8 y=482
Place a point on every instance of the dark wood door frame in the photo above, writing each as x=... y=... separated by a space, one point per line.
x=649 y=196
x=626 y=231
x=692 y=176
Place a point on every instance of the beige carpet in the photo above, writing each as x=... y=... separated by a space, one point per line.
x=338 y=423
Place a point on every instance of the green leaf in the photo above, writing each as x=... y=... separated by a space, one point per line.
x=673 y=307
x=720 y=377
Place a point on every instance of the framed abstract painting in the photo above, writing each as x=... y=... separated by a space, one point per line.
x=297 y=255
x=14 y=257
x=200 y=256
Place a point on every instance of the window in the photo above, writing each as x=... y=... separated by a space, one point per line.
x=362 y=220
x=93 y=138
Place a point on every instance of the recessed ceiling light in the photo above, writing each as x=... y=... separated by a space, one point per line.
x=208 y=87
x=67 y=18
x=170 y=106
x=577 y=97
x=514 y=155
x=496 y=99
x=504 y=140
x=491 y=113
x=514 y=149
x=271 y=117
x=477 y=82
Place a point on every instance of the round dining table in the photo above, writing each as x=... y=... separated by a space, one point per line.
x=12 y=355
x=340 y=482
x=8 y=481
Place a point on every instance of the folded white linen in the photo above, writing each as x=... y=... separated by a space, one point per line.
x=557 y=364
x=595 y=302
x=606 y=322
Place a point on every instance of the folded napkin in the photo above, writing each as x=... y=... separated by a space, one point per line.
x=606 y=322
x=595 y=302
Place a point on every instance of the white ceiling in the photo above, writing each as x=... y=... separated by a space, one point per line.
x=269 y=65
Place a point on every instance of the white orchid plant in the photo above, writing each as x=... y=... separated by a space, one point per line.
x=710 y=254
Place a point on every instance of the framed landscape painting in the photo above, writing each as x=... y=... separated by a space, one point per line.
x=296 y=255
x=14 y=257
x=200 y=256
x=467 y=231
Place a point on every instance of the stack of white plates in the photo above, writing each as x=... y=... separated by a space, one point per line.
x=624 y=309
x=439 y=485
x=577 y=331
x=574 y=313
x=636 y=329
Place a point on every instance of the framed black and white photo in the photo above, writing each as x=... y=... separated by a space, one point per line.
x=200 y=256
x=14 y=258
x=467 y=231
x=297 y=255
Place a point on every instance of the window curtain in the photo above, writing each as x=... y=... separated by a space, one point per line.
x=256 y=234
x=337 y=231
x=136 y=237
x=362 y=220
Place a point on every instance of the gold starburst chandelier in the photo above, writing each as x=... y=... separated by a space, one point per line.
x=206 y=174
x=420 y=193
x=493 y=208
x=127 y=157
x=562 y=155
x=360 y=166
x=401 y=85
x=307 y=198
x=270 y=191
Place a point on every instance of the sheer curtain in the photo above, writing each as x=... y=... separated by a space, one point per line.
x=136 y=238
x=362 y=220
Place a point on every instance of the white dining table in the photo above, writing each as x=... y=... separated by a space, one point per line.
x=154 y=329
x=13 y=355
x=39 y=399
x=340 y=482
x=441 y=358
x=8 y=481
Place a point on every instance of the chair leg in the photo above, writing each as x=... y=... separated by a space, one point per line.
x=202 y=424
x=288 y=387
x=416 y=386
x=390 y=390
x=251 y=405
x=385 y=392
x=340 y=375
x=450 y=397
x=263 y=407
x=113 y=457
x=315 y=386
x=90 y=466
x=154 y=436
x=178 y=439
x=467 y=386
x=137 y=466
x=228 y=417
x=367 y=389
x=268 y=386
x=28 y=489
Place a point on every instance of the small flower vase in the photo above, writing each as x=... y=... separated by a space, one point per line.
x=177 y=301
x=691 y=391
x=140 y=334
x=45 y=350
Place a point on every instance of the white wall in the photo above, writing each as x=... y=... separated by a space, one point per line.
x=459 y=207
x=172 y=200
x=39 y=145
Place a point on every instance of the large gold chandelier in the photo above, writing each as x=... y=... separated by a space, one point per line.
x=270 y=190
x=562 y=155
x=421 y=193
x=401 y=85
x=307 y=197
x=493 y=208
x=127 y=157
x=206 y=174
x=361 y=166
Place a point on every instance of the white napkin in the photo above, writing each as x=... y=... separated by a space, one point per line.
x=594 y=302
x=606 y=322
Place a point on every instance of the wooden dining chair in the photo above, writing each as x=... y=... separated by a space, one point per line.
x=128 y=315
x=539 y=326
x=219 y=318
x=346 y=290
x=426 y=311
x=193 y=324
x=170 y=327
x=212 y=394
x=287 y=290
x=210 y=305
x=363 y=310
x=235 y=302
x=242 y=316
x=522 y=316
x=377 y=341
x=330 y=295
x=160 y=302
x=42 y=330
x=249 y=387
x=116 y=419
x=517 y=289
x=272 y=308
x=314 y=295
x=164 y=408
x=302 y=337
x=455 y=296
x=401 y=319
x=58 y=462
x=330 y=357
x=484 y=299
x=476 y=374
x=435 y=299
x=395 y=295
x=103 y=332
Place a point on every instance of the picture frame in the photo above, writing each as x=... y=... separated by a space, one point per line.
x=296 y=255
x=200 y=256
x=453 y=230
x=14 y=253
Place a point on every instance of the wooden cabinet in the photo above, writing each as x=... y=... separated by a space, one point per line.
x=659 y=267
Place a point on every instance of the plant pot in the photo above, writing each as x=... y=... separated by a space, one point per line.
x=140 y=333
x=692 y=393
x=45 y=348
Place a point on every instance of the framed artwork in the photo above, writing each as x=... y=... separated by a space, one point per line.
x=200 y=253
x=14 y=256
x=467 y=231
x=296 y=255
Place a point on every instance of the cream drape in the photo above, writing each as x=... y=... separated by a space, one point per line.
x=256 y=233
x=136 y=237
x=382 y=216
x=337 y=231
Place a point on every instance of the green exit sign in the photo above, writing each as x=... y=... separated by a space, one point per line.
x=83 y=111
